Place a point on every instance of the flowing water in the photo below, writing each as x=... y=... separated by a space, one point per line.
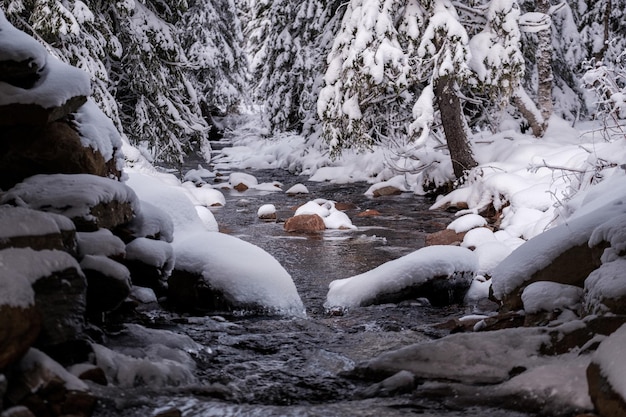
x=272 y=366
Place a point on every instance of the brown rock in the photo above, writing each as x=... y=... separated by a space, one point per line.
x=241 y=187
x=607 y=402
x=343 y=206
x=444 y=237
x=49 y=149
x=268 y=216
x=94 y=374
x=305 y=223
x=19 y=328
x=387 y=190
x=36 y=115
x=369 y=213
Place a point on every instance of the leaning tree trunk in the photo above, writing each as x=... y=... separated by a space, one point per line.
x=453 y=125
x=544 y=66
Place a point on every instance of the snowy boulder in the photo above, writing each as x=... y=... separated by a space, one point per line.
x=443 y=274
x=43 y=385
x=305 y=223
x=472 y=358
x=548 y=301
x=330 y=215
x=297 y=189
x=199 y=175
x=150 y=263
x=39 y=88
x=561 y=254
x=218 y=272
x=151 y=222
x=205 y=195
x=606 y=376
x=107 y=204
x=605 y=289
x=241 y=181
x=22 y=227
x=52 y=281
x=467 y=222
x=267 y=212
x=101 y=242
x=108 y=283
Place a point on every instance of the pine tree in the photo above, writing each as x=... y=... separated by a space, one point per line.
x=366 y=97
x=288 y=42
x=212 y=38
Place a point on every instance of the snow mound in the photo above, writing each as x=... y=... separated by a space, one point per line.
x=64 y=194
x=20 y=268
x=467 y=222
x=198 y=175
x=17 y=46
x=398 y=275
x=153 y=222
x=266 y=210
x=151 y=252
x=20 y=221
x=605 y=284
x=550 y=296
x=101 y=242
x=237 y=178
x=245 y=273
x=298 y=189
x=205 y=195
x=610 y=358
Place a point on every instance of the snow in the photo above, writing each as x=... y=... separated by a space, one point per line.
x=152 y=221
x=467 y=222
x=198 y=175
x=97 y=131
x=251 y=277
x=207 y=218
x=40 y=367
x=266 y=210
x=20 y=268
x=391 y=277
x=610 y=358
x=20 y=221
x=476 y=237
x=297 y=189
x=205 y=195
x=63 y=194
x=16 y=45
x=59 y=82
x=550 y=296
x=143 y=295
x=101 y=242
x=237 y=178
x=151 y=252
x=490 y=254
x=606 y=282
x=107 y=267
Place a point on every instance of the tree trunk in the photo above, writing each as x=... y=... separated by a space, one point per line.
x=606 y=21
x=544 y=66
x=530 y=112
x=453 y=125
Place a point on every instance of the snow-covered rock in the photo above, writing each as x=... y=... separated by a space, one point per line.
x=108 y=283
x=205 y=195
x=548 y=301
x=467 y=222
x=22 y=227
x=101 y=242
x=607 y=375
x=241 y=181
x=442 y=274
x=108 y=203
x=150 y=263
x=561 y=254
x=198 y=175
x=215 y=271
x=605 y=289
x=53 y=282
x=266 y=212
x=297 y=189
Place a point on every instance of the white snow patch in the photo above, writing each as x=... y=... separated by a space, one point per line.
x=550 y=296
x=610 y=358
x=297 y=189
x=101 y=242
x=467 y=222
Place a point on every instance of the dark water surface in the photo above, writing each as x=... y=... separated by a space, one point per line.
x=272 y=366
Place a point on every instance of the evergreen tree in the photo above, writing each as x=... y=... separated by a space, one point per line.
x=288 y=43
x=212 y=38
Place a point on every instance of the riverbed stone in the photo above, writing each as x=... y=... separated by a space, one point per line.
x=305 y=223
x=19 y=328
x=386 y=191
x=190 y=292
x=445 y=237
x=108 y=283
x=606 y=400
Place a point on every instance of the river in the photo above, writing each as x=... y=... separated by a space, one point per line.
x=273 y=366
